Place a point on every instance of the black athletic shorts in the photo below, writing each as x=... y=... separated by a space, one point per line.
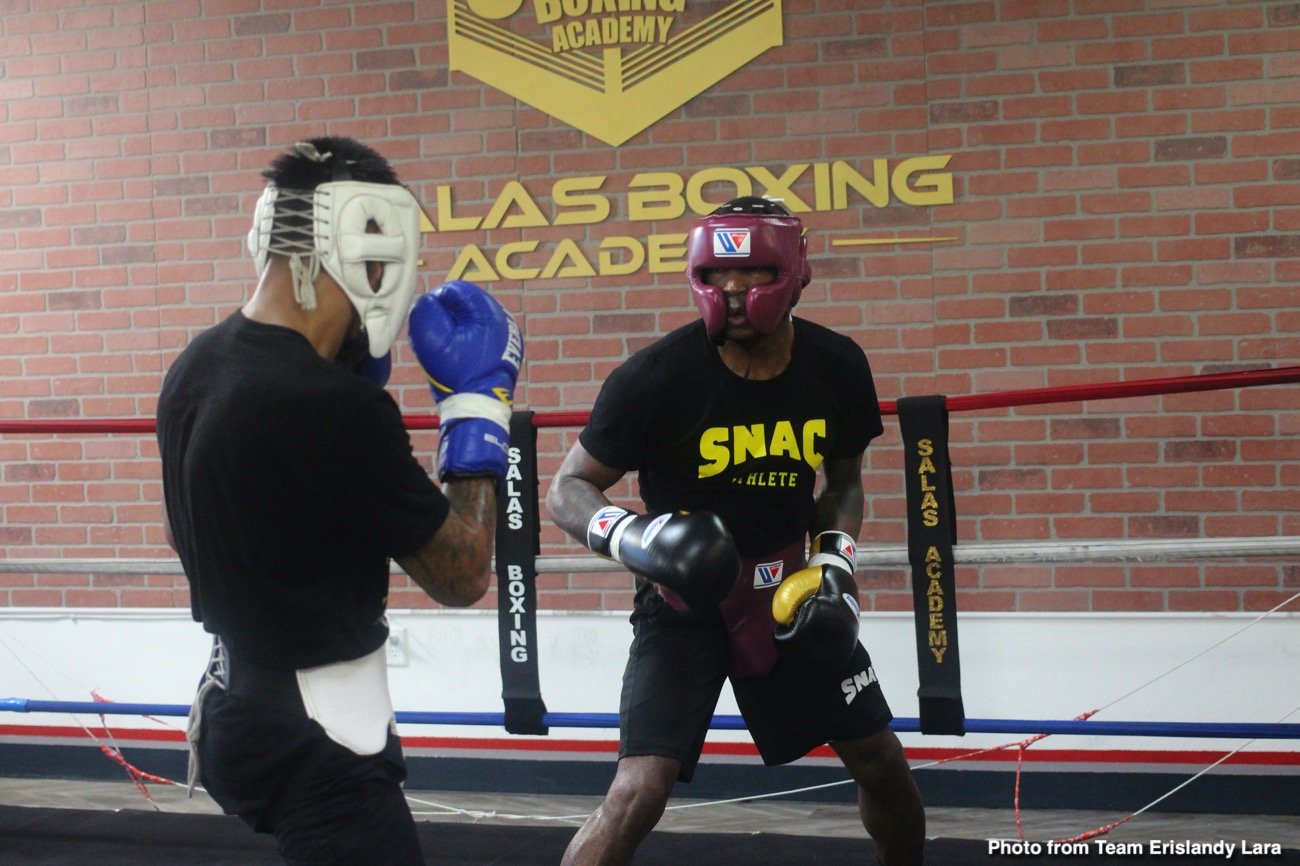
x=283 y=775
x=675 y=670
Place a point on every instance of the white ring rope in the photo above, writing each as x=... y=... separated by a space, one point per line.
x=1123 y=550
x=1185 y=662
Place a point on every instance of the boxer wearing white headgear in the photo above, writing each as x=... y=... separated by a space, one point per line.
x=329 y=227
x=291 y=485
x=748 y=232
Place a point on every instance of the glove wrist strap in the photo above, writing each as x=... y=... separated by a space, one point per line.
x=602 y=526
x=616 y=537
x=471 y=405
x=834 y=548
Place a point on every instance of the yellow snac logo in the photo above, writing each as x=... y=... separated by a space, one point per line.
x=725 y=447
x=610 y=68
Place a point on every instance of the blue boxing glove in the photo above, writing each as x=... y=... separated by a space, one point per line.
x=354 y=355
x=470 y=349
x=377 y=370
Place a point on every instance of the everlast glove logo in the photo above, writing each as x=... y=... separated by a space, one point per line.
x=725 y=447
x=610 y=68
x=513 y=353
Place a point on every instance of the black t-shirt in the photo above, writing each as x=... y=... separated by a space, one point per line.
x=288 y=481
x=704 y=439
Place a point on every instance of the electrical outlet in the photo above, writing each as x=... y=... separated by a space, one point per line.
x=396 y=647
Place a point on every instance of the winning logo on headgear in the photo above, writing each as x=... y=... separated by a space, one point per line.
x=610 y=68
x=731 y=242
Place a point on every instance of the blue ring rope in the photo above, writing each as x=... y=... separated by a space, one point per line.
x=1244 y=730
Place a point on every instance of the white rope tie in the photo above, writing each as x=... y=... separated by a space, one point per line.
x=296 y=242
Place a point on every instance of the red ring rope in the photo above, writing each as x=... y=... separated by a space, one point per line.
x=961 y=403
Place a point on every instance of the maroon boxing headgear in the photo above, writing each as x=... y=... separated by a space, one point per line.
x=748 y=232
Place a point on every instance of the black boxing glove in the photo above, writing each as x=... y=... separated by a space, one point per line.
x=816 y=613
x=691 y=554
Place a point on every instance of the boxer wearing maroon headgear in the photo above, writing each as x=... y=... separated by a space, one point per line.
x=729 y=422
x=748 y=233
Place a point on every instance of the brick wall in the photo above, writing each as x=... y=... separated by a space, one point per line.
x=1125 y=205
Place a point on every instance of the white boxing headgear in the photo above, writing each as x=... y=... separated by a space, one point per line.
x=337 y=240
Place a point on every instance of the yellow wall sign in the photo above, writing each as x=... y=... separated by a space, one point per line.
x=610 y=68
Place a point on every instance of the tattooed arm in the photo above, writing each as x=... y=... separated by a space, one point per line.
x=454 y=567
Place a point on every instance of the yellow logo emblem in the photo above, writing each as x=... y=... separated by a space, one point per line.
x=610 y=68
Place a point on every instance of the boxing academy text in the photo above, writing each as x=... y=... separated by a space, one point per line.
x=934 y=562
x=584 y=201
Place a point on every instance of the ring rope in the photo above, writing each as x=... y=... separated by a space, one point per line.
x=1277 y=607
x=1131 y=550
x=908 y=724
x=1119 y=550
x=107 y=745
x=1101 y=831
x=960 y=403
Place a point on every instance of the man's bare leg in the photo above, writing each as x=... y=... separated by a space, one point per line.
x=888 y=800
x=632 y=807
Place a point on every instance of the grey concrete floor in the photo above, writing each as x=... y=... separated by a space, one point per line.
x=685 y=816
